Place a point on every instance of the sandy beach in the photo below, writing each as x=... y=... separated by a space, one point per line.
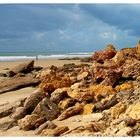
x=25 y=92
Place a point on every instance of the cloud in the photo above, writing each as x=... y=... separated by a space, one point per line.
x=67 y=27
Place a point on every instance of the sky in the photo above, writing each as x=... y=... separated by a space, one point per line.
x=68 y=27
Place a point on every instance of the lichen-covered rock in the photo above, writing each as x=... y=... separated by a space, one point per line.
x=19 y=113
x=30 y=122
x=100 y=91
x=80 y=94
x=53 y=81
x=33 y=100
x=58 y=95
x=67 y=102
x=117 y=110
x=124 y=86
x=74 y=110
x=46 y=109
x=46 y=125
x=55 y=132
x=88 y=109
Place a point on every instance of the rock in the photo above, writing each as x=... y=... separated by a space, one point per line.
x=30 y=122
x=33 y=100
x=82 y=75
x=111 y=78
x=138 y=50
x=46 y=125
x=67 y=102
x=133 y=111
x=54 y=132
x=81 y=94
x=123 y=54
x=131 y=69
x=76 y=85
x=3 y=75
x=23 y=68
x=100 y=91
x=107 y=105
x=126 y=131
x=10 y=108
x=58 y=95
x=88 y=109
x=46 y=109
x=7 y=124
x=74 y=110
x=124 y=86
x=14 y=83
x=96 y=126
x=117 y=110
x=101 y=56
x=86 y=59
x=53 y=81
x=130 y=121
x=19 y=113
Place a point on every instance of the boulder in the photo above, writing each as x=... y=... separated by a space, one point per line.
x=19 y=113
x=106 y=105
x=33 y=100
x=46 y=125
x=131 y=69
x=108 y=53
x=96 y=126
x=14 y=83
x=54 y=81
x=123 y=54
x=7 y=124
x=111 y=78
x=71 y=111
x=126 y=131
x=10 y=108
x=133 y=111
x=21 y=68
x=88 y=109
x=117 y=110
x=55 y=132
x=101 y=91
x=124 y=86
x=82 y=75
x=30 y=122
x=46 y=109
x=129 y=121
x=138 y=50
x=66 y=103
x=58 y=95
x=80 y=94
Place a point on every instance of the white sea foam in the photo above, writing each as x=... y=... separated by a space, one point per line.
x=40 y=57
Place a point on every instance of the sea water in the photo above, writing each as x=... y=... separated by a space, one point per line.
x=14 y=56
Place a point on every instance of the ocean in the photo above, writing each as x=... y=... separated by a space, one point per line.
x=15 y=56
